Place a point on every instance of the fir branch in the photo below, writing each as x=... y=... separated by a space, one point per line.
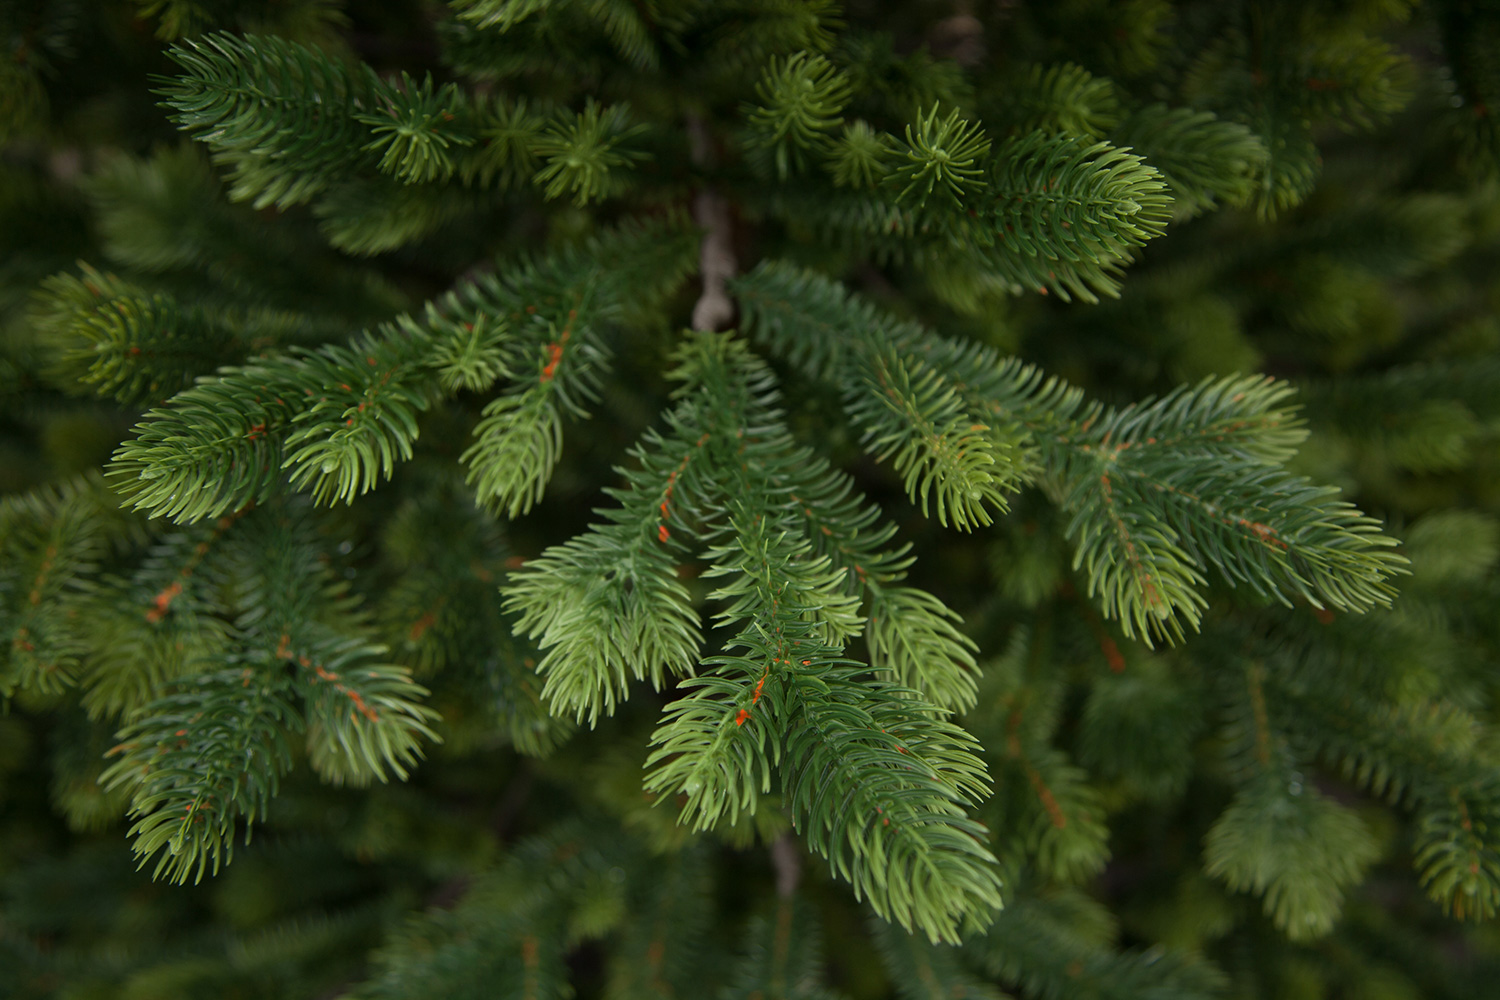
x=519 y=437
x=1424 y=417
x=126 y=343
x=211 y=747
x=941 y=446
x=52 y=542
x=716 y=745
x=924 y=971
x=915 y=637
x=200 y=758
x=1244 y=417
x=517 y=443
x=1046 y=214
x=1064 y=98
x=1149 y=515
x=443 y=614
x=283 y=115
x=1293 y=846
x=476 y=359
x=364 y=720
x=739 y=37
x=1276 y=532
x=582 y=154
x=606 y=607
x=619 y=21
x=1458 y=852
x=768 y=564
x=1035 y=944
x=223 y=443
x=1307 y=698
x=1452 y=547
x=167 y=216
x=800 y=100
x=374 y=214
x=877 y=784
x=713 y=746
x=1419 y=751
x=782 y=956
x=898 y=777
x=1064 y=199
x=167 y=625
x=913 y=418
x=910 y=633
x=506 y=151
x=792 y=608
x=510 y=931
x=941 y=157
x=842 y=524
x=1044 y=808
x=1354 y=81
x=1204 y=159
x=894 y=86
x=415 y=128
x=365 y=388
x=500 y=14
x=1292 y=163
x=1060 y=825
x=341 y=417
x=629 y=29
x=859 y=157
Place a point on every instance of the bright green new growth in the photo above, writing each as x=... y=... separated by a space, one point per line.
x=203 y=456
x=1140 y=483
x=942 y=158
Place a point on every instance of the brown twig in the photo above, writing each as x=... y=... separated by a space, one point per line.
x=714 y=309
x=788 y=867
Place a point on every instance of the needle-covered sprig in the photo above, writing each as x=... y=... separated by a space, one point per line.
x=944 y=158
x=801 y=98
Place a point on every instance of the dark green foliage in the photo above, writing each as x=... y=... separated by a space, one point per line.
x=1203 y=158
x=579 y=155
x=1064 y=98
x=800 y=100
x=1057 y=561
x=414 y=129
x=52 y=539
x=282 y=116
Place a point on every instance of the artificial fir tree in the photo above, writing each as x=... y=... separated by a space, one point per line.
x=751 y=498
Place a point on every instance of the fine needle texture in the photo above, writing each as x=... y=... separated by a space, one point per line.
x=761 y=499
